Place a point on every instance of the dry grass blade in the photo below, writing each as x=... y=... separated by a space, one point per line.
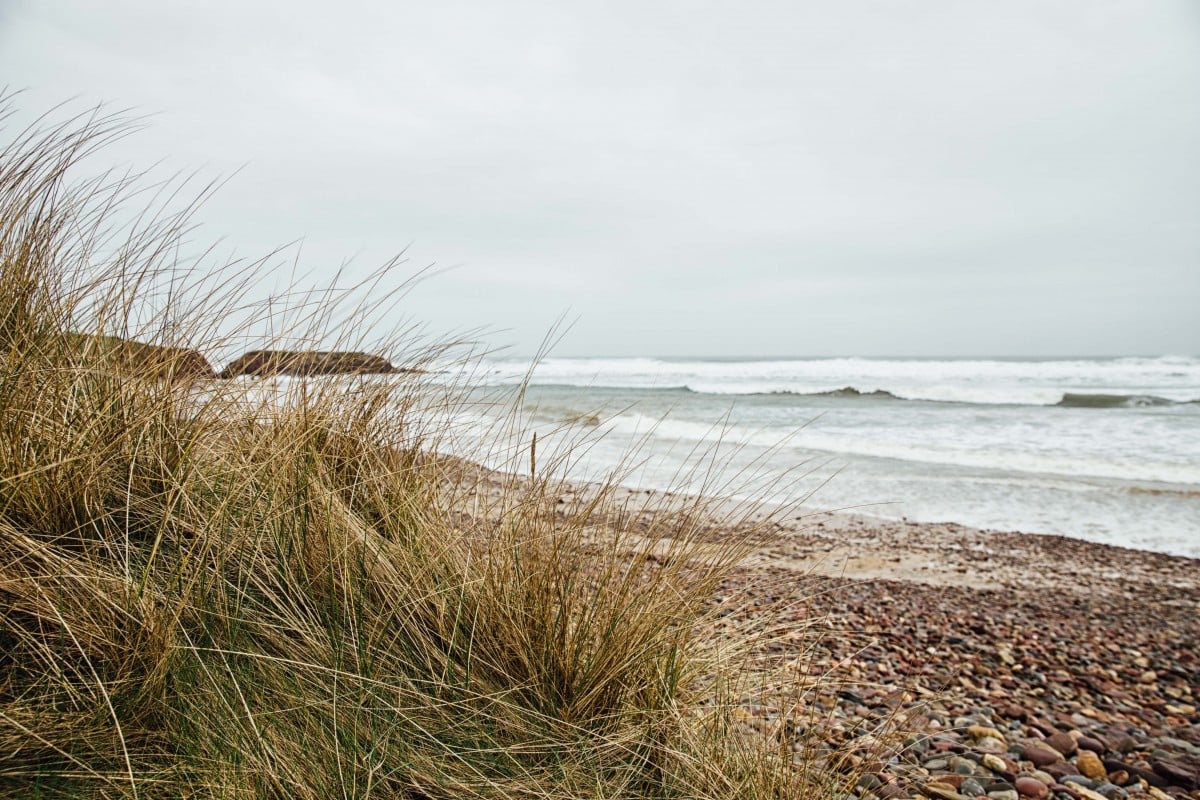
x=277 y=588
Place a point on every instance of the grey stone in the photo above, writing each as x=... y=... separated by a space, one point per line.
x=869 y=781
x=972 y=788
x=1079 y=780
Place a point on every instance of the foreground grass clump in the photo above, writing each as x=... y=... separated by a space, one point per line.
x=206 y=590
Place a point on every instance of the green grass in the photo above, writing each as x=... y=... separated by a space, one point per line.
x=199 y=598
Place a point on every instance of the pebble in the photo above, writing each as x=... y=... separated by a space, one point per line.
x=972 y=788
x=963 y=766
x=1090 y=765
x=1061 y=769
x=917 y=745
x=953 y=779
x=1031 y=787
x=1063 y=743
x=984 y=732
x=1004 y=794
x=1041 y=756
x=994 y=763
x=1181 y=770
x=941 y=790
x=869 y=781
x=1124 y=744
x=1179 y=744
x=1089 y=794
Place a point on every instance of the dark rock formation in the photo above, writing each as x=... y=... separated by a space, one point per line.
x=307 y=362
x=127 y=356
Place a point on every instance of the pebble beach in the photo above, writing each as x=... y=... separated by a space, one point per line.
x=997 y=664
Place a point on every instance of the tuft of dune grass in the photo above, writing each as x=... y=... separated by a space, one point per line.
x=212 y=590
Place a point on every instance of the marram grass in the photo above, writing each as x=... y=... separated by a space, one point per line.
x=205 y=594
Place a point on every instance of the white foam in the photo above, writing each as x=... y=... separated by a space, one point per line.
x=987 y=449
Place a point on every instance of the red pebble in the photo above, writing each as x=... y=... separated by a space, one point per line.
x=1031 y=787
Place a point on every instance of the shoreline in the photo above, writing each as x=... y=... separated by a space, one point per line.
x=1030 y=636
x=846 y=543
x=979 y=651
x=979 y=449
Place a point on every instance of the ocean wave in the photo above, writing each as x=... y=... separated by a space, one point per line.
x=753 y=391
x=1160 y=491
x=851 y=392
x=1083 y=400
x=807 y=441
x=1027 y=398
x=979 y=382
x=960 y=395
x=941 y=393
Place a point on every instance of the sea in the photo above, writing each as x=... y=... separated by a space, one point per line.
x=1101 y=449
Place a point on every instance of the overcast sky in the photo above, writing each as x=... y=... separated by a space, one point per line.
x=902 y=177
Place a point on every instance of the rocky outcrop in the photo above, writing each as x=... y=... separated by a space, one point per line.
x=127 y=356
x=261 y=363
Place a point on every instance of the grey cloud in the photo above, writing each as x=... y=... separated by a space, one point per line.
x=917 y=168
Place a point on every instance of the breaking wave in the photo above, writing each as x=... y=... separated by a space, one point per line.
x=1072 y=383
x=1082 y=400
x=1067 y=400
